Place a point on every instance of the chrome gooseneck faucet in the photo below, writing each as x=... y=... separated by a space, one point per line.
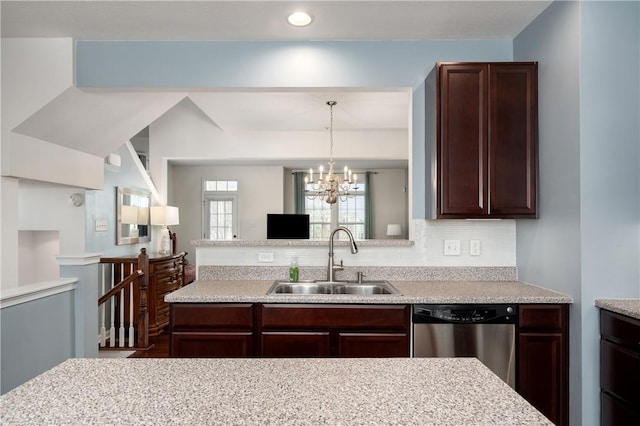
x=332 y=267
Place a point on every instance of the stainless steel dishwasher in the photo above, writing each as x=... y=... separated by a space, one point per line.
x=487 y=332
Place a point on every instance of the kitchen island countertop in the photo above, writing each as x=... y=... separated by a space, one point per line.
x=628 y=307
x=443 y=391
x=441 y=292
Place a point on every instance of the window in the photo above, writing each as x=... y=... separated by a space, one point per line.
x=220 y=201
x=349 y=213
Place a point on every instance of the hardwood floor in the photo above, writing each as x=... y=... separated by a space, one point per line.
x=160 y=348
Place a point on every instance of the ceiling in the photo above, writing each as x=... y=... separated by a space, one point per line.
x=278 y=110
x=266 y=20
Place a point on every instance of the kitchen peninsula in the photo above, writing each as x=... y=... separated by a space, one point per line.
x=268 y=391
x=237 y=318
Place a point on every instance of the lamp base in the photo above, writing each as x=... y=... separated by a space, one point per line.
x=165 y=241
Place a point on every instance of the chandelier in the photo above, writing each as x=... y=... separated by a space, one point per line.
x=329 y=187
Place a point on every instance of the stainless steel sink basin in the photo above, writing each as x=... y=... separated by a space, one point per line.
x=336 y=288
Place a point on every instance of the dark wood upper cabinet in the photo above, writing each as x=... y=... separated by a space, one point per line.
x=486 y=143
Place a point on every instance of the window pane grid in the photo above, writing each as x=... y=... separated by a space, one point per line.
x=220 y=220
x=221 y=186
x=350 y=213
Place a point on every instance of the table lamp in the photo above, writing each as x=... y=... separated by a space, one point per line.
x=393 y=230
x=165 y=216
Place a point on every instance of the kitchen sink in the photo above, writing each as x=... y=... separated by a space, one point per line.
x=320 y=287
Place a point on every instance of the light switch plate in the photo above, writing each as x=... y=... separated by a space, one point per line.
x=265 y=257
x=102 y=225
x=452 y=247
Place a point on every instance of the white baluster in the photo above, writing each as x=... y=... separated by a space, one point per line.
x=112 y=305
x=121 y=339
x=103 y=330
x=131 y=329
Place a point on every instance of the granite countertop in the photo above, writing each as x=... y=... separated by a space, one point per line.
x=443 y=391
x=628 y=307
x=255 y=291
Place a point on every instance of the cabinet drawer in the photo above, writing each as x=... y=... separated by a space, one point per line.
x=296 y=344
x=547 y=317
x=206 y=316
x=620 y=372
x=290 y=317
x=165 y=278
x=620 y=329
x=614 y=412
x=160 y=267
x=201 y=344
x=367 y=345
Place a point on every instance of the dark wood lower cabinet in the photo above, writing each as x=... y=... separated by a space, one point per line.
x=289 y=330
x=619 y=369
x=543 y=359
x=211 y=330
x=352 y=330
x=334 y=330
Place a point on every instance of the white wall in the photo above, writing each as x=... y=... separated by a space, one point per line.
x=37 y=256
x=34 y=71
x=185 y=132
x=46 y=207
x=389 y=201
x=260 y=191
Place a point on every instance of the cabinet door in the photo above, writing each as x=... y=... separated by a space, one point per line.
x=211 y=345
x=296 y=344
x=543 y=359
x=541 y=372
x=462 y=140
x=513 y=128
x=373 y=345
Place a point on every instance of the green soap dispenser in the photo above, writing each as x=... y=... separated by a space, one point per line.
x=293 y=270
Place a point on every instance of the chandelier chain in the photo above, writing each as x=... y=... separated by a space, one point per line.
x=331 y=104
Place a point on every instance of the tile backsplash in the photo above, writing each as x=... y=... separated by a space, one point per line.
x=496 y=238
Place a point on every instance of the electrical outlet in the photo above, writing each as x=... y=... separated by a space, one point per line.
x=474 y=247
x=265 y=257
x=452 y=247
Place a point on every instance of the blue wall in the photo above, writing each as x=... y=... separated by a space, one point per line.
x=206 y=64
x=225 y=65
x=586 y=242
x=36 y=336
x=102 y=205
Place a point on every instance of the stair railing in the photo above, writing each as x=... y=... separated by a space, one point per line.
x=124 y=301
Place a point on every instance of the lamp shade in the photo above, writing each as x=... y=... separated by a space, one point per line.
x=394 y=229
x=143 y=216
x=164 y=215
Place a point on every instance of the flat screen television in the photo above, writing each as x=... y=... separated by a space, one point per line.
x=287 y=226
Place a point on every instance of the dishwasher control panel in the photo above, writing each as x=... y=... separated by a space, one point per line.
x=465 y=314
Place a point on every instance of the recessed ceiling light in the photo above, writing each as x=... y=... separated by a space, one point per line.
x=299 y=19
